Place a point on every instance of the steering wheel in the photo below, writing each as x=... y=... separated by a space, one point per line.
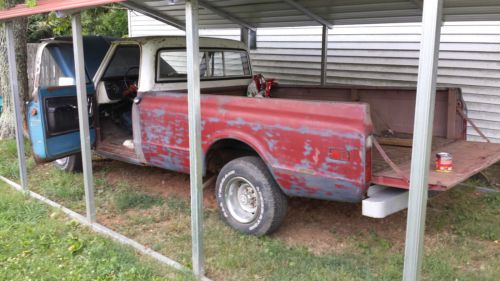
x=125 y=80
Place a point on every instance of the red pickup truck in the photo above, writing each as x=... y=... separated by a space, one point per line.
x=330 y=143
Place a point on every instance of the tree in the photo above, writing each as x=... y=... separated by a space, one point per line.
x=105 y=21
x=7 y=119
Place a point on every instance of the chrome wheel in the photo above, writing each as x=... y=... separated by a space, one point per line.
x=62 y=162
x=242 y=200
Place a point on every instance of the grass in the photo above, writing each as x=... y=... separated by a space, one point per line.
x=37 y=243
x=461 y=236
x=135 y=199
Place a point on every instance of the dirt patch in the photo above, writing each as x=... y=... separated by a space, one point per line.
x=492 y=175
x=321 y=226
x=151 y=180
x=324 y=226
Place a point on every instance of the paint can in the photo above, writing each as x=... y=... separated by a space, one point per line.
x=444 y=162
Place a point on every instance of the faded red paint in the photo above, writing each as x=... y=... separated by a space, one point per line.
x=293 y=137
x=46 y=6
x=296 y=138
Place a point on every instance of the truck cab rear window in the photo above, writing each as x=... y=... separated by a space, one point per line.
x=214 y=64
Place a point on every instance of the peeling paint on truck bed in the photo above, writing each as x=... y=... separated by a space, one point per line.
x=295 y=139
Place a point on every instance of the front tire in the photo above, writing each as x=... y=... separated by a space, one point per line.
x=249 y=198
x=72 y=163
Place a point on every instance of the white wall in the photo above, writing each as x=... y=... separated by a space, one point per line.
x=377 y=55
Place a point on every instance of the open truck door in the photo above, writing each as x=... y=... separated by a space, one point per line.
x=52 y=113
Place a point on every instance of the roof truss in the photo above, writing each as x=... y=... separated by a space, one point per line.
x=419 y=3
x=154 y=14
x=225 y=15
x=309 y=13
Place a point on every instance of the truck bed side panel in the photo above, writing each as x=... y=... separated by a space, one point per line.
x=313 y=149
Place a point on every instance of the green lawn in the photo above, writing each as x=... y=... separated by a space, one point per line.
x=39 y=243
x=461 y=237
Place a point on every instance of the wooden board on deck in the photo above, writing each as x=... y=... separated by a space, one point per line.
x=469 y=158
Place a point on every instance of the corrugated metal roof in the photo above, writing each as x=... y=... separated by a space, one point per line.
x=45 y=6
x=272 y=13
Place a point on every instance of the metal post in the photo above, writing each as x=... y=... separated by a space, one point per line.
x=422 y=138
x=324 y=55
x=195 y=152
x=249 y=37
x=244 y=35
x=14 y=89
x=83 y=115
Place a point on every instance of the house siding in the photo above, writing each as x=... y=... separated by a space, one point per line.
x=376 y=55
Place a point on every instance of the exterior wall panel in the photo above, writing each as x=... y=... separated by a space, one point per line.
x=376 y=55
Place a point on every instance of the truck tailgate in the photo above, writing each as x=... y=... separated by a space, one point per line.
x=469 y=158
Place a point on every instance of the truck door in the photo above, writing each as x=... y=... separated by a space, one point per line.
x=52 y=113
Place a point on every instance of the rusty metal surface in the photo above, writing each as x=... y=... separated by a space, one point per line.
x=469 y=158
x=45 y=6
x=294 y=134
x=293 y=137
x=391 y=108
x=118 y=152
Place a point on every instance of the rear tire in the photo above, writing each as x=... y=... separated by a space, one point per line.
x=249 y=198
x=72 y=163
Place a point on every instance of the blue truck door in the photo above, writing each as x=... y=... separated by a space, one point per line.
x=53 y=122
x=52 y=113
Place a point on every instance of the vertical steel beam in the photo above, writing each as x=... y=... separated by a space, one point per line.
x=244 y=35
x=249 y=38
x=83 y=115
x=422 y=138
x=14 y=89
x=324 y=55
x=195 y=152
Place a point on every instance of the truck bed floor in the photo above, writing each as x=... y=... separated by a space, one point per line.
x=469 y=158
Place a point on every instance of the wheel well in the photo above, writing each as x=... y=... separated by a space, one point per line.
x=223 y=151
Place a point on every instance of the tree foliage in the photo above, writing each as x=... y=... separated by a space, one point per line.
x=106 y=21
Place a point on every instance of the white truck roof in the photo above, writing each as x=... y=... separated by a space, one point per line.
x=180 y=42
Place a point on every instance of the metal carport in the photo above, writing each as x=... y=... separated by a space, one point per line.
x=190 y=15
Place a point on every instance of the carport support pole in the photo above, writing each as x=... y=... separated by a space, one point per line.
x=422 y=138
x=324 y=55
x=83 y=115
x=14 y=89
x=195 y=152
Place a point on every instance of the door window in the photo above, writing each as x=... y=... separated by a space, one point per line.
x=57 y=67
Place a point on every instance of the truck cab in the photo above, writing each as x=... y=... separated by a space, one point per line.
x=119 y=74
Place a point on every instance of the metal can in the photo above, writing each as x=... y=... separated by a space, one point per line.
x=444 y=162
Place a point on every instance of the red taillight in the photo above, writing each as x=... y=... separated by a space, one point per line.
x=339 y=154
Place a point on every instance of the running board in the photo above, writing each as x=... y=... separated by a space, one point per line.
x=383 y=201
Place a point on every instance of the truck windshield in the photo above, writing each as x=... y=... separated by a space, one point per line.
x=214 y=64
